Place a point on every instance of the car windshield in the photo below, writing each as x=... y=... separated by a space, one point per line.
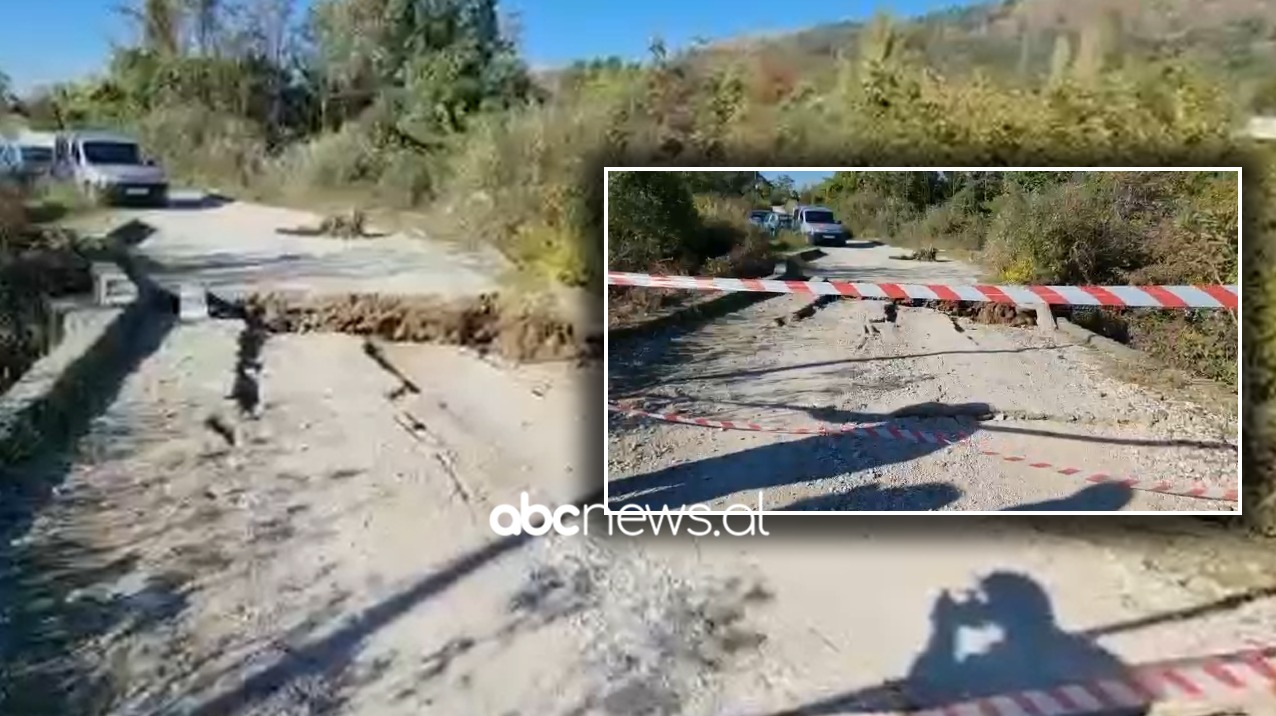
x=818 y=217
x=36 y=155
x=759 y=214
x=112 y=153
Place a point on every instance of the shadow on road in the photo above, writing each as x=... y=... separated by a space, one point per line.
x=41 y=627
x=331 y=655
x=1107 y=496
x=1030 y=652
x=775 y=465
x=130 y=233
x=944 y=271
x=838 y=416
x=982 y=412
x=195 y=202
x=639 y=354
x=930 y=496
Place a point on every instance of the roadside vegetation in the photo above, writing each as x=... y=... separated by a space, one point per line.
x=38 y=263
x=1083 y=228
x=426 y=107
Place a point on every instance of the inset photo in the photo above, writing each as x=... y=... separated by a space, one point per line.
x=906 y=340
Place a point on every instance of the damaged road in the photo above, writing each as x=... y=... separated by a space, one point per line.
x=1032 y=395
x=335 y=556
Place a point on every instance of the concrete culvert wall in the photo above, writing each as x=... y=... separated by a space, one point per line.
x=29 y=326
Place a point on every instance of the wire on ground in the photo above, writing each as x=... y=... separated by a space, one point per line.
x=884 y=431
x=881 y=431
x=1212 y=296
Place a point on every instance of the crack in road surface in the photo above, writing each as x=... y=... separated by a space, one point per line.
x=1033 y=393
x=332 y=570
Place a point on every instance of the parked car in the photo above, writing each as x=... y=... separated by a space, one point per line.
x=35 y=153
x=109 y=168
x=10 y=160
x=777 y=222
x=819 y=225
x=758 y=216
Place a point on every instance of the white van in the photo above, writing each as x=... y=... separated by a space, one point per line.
x=109 y=168
x=819 y=225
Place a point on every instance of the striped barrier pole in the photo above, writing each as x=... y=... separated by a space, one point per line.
x=1175 y=297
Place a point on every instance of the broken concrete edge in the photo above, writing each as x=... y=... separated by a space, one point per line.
x=809 y=309
x=1085 y=336
x=64 y=382
x=63 y=385
x=1045 y=316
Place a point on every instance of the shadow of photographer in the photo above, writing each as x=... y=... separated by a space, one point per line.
x=1029 y=651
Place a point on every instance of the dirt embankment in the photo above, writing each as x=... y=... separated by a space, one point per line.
x=29 y=280
x=487 y=323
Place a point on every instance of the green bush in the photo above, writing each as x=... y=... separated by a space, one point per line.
x=206 y=146
x=958 y=223
x=1072 y=234
x=524 y=182
x=652 y=221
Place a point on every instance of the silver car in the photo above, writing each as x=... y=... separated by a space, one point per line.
x=35 y=153
x=109 y=168
x=820 y=226
x=10 y=160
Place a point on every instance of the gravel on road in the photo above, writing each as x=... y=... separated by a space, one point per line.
x=1021 y=390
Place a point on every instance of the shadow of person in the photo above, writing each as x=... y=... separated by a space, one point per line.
x=924 y=497
x=757 y=469
x=1103 y=496
x=1031 y=653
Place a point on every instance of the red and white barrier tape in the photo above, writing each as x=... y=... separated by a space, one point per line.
x=1227 y=297
x=890 y=432
x=1210 y=679
x=880 y=431
x=1197 y=489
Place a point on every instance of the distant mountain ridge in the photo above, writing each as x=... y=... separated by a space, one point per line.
x=1016 y=38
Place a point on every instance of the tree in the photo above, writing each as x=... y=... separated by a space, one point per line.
x=159 y=24
x=782 y=189
x=1060 y=59
x=205 y=21
x=430 y=62
x=652 y=219
x=728 y=183
x=1098 y=42
x=6 y=93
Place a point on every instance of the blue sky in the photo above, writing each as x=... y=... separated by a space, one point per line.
x=43 y=41
x=801 y=179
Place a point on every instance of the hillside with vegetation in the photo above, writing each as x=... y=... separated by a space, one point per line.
x=426 y=106
x=1020 y=41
